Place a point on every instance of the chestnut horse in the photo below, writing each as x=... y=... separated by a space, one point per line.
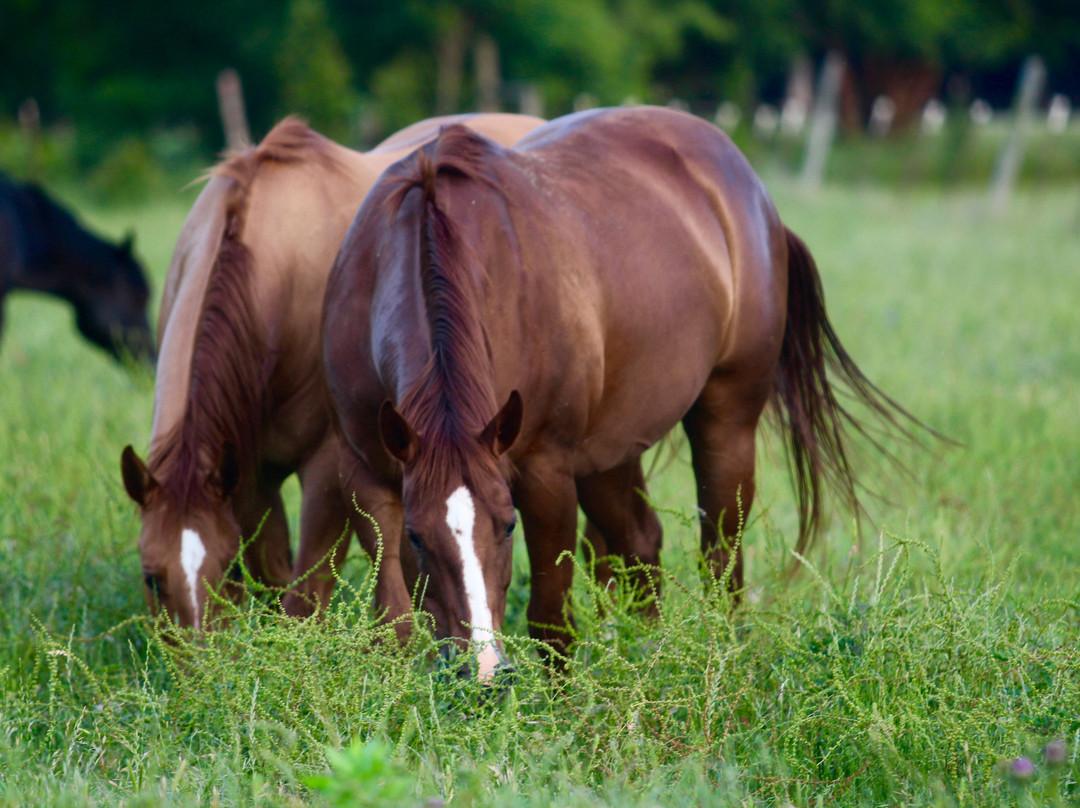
x=239 y=402
x=524 y=322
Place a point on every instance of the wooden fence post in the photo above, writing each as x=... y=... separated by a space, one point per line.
x=823 y=125
x=233 y=116
x=488 y=80
x=1032 y=79
x=450 y=58
x=530 y=101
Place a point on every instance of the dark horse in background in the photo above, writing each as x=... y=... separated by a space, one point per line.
x=522 y=323
x=43 y=249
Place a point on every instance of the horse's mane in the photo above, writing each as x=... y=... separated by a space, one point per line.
x=291 y=141
x=454 y=397
x=230 y=362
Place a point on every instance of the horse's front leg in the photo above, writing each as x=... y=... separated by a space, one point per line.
x=265 y=527
x=324 y=532
x=380 y=505
x=545 y=494
x=625 y=524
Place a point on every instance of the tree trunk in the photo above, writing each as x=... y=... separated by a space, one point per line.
x=488 y=80
x=453 y=37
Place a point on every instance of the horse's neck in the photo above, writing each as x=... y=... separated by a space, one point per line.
x=53 y=246
x=290 y=264
x=294 y=231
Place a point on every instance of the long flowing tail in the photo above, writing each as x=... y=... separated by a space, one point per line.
x=816 y=425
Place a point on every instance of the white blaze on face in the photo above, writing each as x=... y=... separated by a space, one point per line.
x=192 y=553
x=461 y=518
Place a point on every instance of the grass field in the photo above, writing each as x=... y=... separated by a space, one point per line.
x=912 y=665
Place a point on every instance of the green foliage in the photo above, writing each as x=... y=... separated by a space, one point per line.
x=658 y=31
x=144 y=66
x=402 y=91
x=37 y=157
x=567 y=47
x=362 y=775
x=313 y=72
x=129 y=171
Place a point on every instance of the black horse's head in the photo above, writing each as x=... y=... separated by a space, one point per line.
x=110 y=293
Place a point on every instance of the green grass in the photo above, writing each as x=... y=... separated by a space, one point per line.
x=903 y=668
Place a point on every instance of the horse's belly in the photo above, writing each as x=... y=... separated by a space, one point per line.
x=642 y=404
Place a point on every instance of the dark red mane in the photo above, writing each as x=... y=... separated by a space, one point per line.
x=230 y=362
x=454 y=399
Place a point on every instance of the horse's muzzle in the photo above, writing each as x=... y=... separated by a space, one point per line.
x=451 y=664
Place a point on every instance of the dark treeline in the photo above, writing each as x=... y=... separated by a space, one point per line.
x=359 y=68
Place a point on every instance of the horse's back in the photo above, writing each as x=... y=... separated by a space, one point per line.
x=502 y=127
x=651 y=151
x=25 y=231
x=10 y=258
x=678 y=221
x=653 y=246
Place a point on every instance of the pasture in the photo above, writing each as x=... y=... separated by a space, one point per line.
x=911 y=664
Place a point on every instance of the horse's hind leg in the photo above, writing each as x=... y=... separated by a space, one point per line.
x=721 y=429
x=615 y=505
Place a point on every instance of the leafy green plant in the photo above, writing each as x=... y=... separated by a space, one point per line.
x=363 y=776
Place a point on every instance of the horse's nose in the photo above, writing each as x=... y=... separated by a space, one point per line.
x=500 y=677
x=505 y=676
x=451 y=663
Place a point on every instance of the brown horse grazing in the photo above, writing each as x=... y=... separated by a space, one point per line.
x=524 y=322
x=240 y=400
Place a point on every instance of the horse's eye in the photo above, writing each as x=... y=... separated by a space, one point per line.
x=510 y=527
x=414 y=540
x=151 y=582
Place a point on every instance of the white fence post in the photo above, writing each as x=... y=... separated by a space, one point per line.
x=823 y=126
x=1032 y=79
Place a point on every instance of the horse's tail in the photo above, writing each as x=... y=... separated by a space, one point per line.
x=816 y=423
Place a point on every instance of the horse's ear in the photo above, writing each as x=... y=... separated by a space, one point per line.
x=128 y=244
x=228 y=472
x=398 y=438
x=503 y=429
x=138 y=481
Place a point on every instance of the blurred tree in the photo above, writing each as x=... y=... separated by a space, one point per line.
x=660 y=31
x=904 y=48
x=313 y=73
x=131 y=65
x=417 y=55
x=137 y=65
x=752 y=52
x=565 y=47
